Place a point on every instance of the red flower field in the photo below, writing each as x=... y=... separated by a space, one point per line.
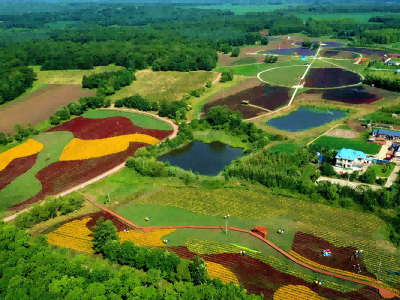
x=15 y=168
x=92 y=129
x=258 y=277
x=330 y=77
x=63 y=175
x=311 y=247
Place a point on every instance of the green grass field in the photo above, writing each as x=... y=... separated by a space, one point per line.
x=244 y=61
x=218 y=135
x=360 y=17
x=284 y=148
x=242 y=9
x=27 y=185
x=136 y=118
x=383 y=171
x=356 y=144
x=164 y=85
x=286 y=76
x=347 y=64
x=344 y=127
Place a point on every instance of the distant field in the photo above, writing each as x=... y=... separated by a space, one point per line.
x=69 y=76
x=284 y=148
x=360 y=17
x=241 y=10
x=165 y=85
x=244 y=61
x=356 y=144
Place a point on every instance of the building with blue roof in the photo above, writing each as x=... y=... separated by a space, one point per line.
x=350 y=159
x=387 y=134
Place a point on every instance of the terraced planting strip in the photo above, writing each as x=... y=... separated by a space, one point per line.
x=384 y=290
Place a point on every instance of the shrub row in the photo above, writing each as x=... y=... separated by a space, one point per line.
x=109 y=82
x=49 y=210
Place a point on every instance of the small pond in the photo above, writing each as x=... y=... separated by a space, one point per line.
x=305 y=118
x=207 y=159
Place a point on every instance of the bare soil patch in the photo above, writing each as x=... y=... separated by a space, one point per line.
x=338 y=54
x=347 y=134
x=40 y=105
x=256 y=92
x=330 y=77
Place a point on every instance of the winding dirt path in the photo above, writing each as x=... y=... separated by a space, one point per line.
x=218 y=78
x=117 y=168
x=383 y=292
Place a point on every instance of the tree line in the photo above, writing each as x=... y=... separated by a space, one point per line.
x=108 y=82
x=30 y=269
x=388 y=81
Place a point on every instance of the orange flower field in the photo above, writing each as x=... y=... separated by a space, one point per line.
x=152 y=238
x=297 y=292
x=28 y=148
x=218 y=271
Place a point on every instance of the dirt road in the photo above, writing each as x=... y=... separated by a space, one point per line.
x=392 y=176
x=347 y=183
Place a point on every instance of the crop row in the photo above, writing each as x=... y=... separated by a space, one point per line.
x=298 y=292
x=93 y=129
x=152 y=238
x=218 y=271
x=208 y=247
x=28 y=148
x=63 y=175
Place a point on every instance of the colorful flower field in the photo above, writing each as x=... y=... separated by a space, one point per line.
x=287 y=51
x=330 y=78
x=99 y=146
x=324 y=44
x=218 y=271
x=258 y=277
x=297 y=292
x=28 y=148
x=152 y=238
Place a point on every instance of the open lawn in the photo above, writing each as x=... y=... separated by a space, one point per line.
x=346 y=64
x=242 y=9
x=285 y=148
x=244 y=61
x=360 y=17
x=137 y=119
x=170 y=85
x=69 y=76
x=339 y=143
x=39 y=105
x=218 y=135
x=383 y=171
x=285 y=76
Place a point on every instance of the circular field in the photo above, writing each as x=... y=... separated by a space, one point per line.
x=283 y=76
x=324 y=44
x=339 y=54
x=291 y=51
x=324 y=78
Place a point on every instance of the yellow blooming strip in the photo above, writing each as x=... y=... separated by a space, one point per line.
x=298 y=292
x=218 y=271
x=73 y=235
x=79 y=149
x=28 y=148
x=152 y=238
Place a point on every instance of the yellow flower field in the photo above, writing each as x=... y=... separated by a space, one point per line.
x=28 y=148
x=73 y=235
x=79 y=149
x=152 y=238
x=218 y=271
x=298 y=292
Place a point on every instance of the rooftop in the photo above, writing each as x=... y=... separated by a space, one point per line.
x=350 y=154
x=386 y=132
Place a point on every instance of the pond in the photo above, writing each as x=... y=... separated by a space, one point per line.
x=207 y=159
x=305 y=118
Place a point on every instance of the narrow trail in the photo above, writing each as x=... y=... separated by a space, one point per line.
x=117 y=168
x=323 y=134
x=382 y=291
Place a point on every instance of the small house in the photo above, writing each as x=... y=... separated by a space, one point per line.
x=395 y=55
x=245 y=102
x=350 y=159
x=391 y=63
x=261 y=230
x=398 y=71
x=386 y=134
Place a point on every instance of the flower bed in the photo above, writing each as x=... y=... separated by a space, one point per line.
x=63 y=175
x=152 y=238
x=327 y=44
x=286 y=51
x=15 y=168
x=92 y=129
x=297 y=292
x=28 y=148
x=311 y=247
x=258 y=277
x=215 y=270
x=79 y=149
x=330 y=77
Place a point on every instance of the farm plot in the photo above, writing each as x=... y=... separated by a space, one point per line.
x=64 y=161
x=372 y=54
x=338 y=54
x=338 y=143
x=330 y=78
x=38 y=106
x=258 y=277
x=283 y=76
x=288 y=51
x=354 y=95
x=311 y=247
x=258 y=94
x=325 y=44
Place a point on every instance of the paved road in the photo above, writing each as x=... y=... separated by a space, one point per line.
x=392 y=176
x=346 y=182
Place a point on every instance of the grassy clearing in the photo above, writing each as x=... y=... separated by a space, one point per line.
x=164 y=85
x=242 y=9
x=344 y=127
x=348 y=64
x=285 y=148
x=220 y=136
x=254 y=69
x=244 y=61
x=27 y=185
x=137 y=119
x=198 y=103
x=288 y=76
x=383 y=171
x=360 y=17
x=69 y=76
x=356 y=144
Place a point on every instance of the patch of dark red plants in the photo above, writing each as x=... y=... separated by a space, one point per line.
x=330 y=77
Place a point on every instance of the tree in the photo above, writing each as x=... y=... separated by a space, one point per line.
x=306 y=44
x=264 y=40
x=369 y=176
x=209 y=84
x=354 y=176
x=75 y=108
x=270 y=59
x=227 y=75
x=63 y=113
x=226 y=48
x=198 y=271
x=235 y=52
x=31 y=130
x=314 y=46
x=104 y=231
x=327 y=170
